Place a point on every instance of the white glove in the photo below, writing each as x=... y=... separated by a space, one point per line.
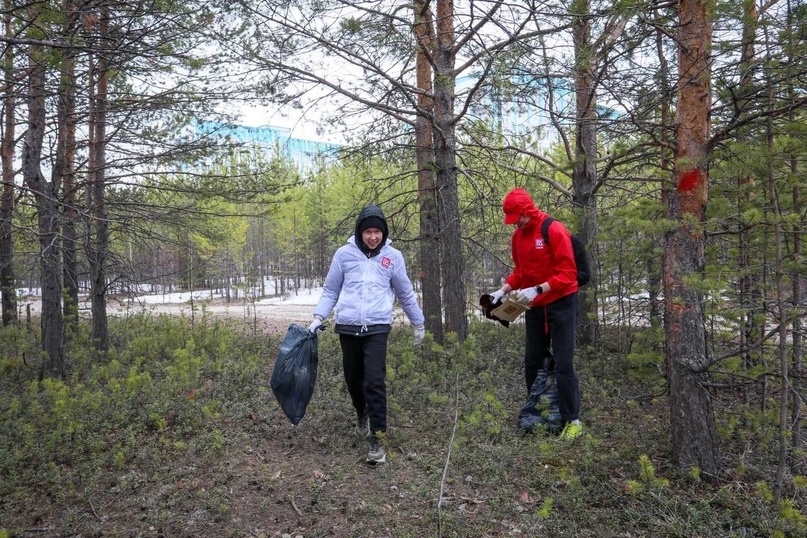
x=497 y=296
x=420 y=334
x=315 y=325
x=527 y=295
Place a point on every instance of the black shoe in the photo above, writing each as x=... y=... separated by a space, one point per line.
x=377 y=454
x=363 y=425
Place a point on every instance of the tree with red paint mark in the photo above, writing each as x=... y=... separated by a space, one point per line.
x=692 y=420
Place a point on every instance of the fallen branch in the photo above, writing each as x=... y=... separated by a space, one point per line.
x=294 y=505
x=94 y=512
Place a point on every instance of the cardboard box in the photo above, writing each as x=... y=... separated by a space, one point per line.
x=509 y=310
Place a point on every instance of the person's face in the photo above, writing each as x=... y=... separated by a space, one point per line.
x=372 y=237
x=522 y=221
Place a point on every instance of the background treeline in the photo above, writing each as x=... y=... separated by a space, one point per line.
x=677 y=152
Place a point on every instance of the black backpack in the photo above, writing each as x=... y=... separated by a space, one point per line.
x=580 y=256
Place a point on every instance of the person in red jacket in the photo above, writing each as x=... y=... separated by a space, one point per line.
x=545 y=277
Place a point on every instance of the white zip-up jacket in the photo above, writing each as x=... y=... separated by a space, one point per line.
x=363 y=290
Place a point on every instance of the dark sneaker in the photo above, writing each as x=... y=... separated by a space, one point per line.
x=378 y=453
x=363 y=425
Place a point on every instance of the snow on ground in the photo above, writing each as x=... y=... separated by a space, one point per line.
x=292 y=307
x=273 y=313
x=303 y=297
x=270 y=314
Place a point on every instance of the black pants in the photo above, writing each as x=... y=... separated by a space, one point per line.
x=364 y=359
x=551 y=329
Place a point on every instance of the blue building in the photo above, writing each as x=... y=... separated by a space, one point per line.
x=272 y=142
x=519 y=108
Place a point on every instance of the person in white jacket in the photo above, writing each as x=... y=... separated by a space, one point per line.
x=365 y=277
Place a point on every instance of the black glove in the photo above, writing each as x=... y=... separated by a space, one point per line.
x=488 y=305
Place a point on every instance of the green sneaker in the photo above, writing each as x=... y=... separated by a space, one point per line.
x=572 y=431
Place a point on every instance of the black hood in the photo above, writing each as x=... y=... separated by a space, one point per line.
x=367 y=212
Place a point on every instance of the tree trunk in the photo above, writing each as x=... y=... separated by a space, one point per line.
x=798 y=305
x=7 y=278
x=665 y=163
x=692 y=421
x=427 y=194
x=584 y=172
x=750 y=296
x=99 y=221
x=45 y=195
x=780 y=310
x=64 y=167
x=445 y=157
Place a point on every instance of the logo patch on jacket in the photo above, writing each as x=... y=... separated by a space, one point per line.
x=385 y=262
x=539 y=243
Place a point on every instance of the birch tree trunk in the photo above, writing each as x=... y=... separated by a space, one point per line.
x=692 y=421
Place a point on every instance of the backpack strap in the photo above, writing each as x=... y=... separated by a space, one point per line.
x=545 y=229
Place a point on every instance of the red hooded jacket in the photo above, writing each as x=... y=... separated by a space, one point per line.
x=536 y=262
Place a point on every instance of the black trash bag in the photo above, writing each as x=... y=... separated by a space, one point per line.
x=487 y=304
x=541 y=410
x=295 y=372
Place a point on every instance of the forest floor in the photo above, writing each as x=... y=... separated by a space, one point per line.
x=222 y=460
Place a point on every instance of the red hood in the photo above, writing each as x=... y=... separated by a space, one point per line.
x=518 y=202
